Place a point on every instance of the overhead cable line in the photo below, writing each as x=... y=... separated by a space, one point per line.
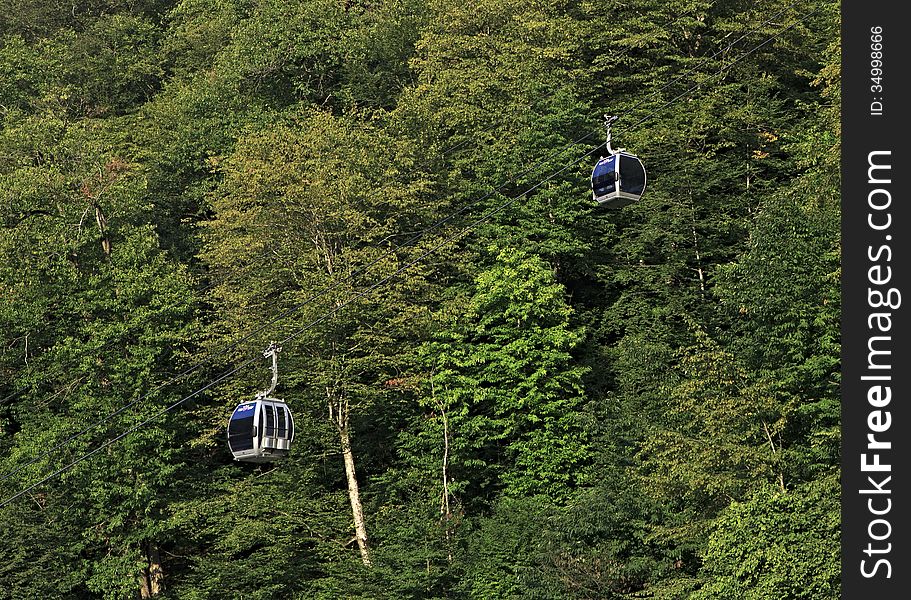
x=446 y=241
x=230 y=274
x=295 y=308
x=408 y=265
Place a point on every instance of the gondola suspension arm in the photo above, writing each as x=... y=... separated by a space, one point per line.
x=608 y=119
x=272 y=351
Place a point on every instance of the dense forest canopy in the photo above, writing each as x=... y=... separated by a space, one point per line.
x=500 y=388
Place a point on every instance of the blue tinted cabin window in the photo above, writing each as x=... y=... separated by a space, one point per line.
x=604 y=177
x=240 y=428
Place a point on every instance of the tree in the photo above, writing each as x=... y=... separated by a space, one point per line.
x=502 y=375
x=322 y=199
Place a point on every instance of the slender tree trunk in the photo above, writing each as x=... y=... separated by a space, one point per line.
x=444 y=505
x=354 y=495
x=338 y=414
x=696 y=244
x=698 y=259
x=445 y=511
x=768 y=435
x=103 y=230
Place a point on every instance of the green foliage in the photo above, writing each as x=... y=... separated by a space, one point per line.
x=198 y=30
x=777 y=546
x=501 y=550
x=114 y=65
x=503 y=373
x=598 y=546
x=544 y=398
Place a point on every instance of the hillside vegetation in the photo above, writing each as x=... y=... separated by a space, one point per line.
x=523 y=393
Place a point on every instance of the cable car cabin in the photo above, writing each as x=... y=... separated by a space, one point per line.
x=260 y=430
x=618 y=180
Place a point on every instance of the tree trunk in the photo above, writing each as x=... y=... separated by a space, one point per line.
x=151 y=581
x=445 y=512
x=103 y=229
x=354 y=495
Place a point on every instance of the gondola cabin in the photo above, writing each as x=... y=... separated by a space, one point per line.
x=260 y=430
x=618 y=180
